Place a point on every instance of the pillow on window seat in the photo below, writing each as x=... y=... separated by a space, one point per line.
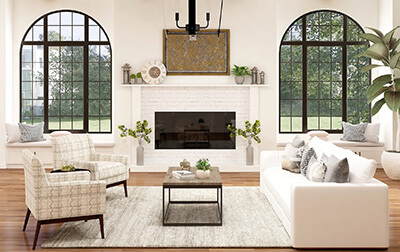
x=60 y=133
x=13 y=133
x=31 y=133
x=354 y=132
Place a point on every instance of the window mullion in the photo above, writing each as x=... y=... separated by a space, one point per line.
x=45 y=77
x=344 y=71
x=86 y=77
x=305 y=63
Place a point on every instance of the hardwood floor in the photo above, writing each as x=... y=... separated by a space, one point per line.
x=12 y=211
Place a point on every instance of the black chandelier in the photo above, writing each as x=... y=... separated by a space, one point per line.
x=192 y=28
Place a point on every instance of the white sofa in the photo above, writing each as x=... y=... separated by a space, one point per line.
x=328 y=215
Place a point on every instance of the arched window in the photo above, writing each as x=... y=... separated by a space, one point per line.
x=320 y=80
x=65 y=74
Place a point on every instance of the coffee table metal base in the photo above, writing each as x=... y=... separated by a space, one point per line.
x=166 y=208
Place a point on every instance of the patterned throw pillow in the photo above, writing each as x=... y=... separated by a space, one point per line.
x=337 y=170
x=354 y=132
x=316 y=170
x=31 y=133
x=297 y=142
x=292 y=158
x=305 y=159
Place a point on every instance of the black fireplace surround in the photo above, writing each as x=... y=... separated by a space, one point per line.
x=194 y=130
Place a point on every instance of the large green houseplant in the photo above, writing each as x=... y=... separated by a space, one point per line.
x=384 y=50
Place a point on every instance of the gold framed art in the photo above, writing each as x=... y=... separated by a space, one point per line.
x=207 y=55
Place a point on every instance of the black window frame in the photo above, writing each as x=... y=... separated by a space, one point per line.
x=85 y=43
x=305 y=44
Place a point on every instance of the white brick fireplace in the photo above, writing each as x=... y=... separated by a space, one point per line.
x=242 y=99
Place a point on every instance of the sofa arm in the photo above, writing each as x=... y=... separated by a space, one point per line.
x=110 y=157
x=339 y=215
x=68 y=176
x=270 y=159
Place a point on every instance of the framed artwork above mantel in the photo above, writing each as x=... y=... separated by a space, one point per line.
x=208 y=54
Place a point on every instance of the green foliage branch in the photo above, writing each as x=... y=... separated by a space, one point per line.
x=250 y=131
x=240 y=71
x=141 y=132
x=203 y=164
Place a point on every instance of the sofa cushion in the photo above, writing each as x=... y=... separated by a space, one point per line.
x=316 y=170
x=337 y=170
x=280 y=182
x=361 y=169
x=308 y=153
x=354 y=132
x=291 y=158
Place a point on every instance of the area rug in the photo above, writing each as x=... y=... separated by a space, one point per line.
x=136 y=222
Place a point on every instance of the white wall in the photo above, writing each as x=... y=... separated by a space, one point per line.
x=135 y=29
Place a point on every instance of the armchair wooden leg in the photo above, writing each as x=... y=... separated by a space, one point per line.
x=28 y=213
x=101 y=226
x=39 y=223
x=126 y=189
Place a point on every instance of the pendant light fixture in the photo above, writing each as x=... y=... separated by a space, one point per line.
x=192 y=28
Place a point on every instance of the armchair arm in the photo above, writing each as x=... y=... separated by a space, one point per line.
x=110 y=157
x=270 y=159
x=68 y=176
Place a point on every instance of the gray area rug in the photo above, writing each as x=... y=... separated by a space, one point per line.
x=136 y=222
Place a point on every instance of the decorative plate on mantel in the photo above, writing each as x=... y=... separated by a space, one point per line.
x=154 y=72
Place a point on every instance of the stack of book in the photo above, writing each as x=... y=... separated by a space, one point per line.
x=183 y=175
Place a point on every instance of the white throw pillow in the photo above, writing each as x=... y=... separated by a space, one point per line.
x=372 y=132
x=60 y=133
x=13 y=132
x=361 y=169
x=318 y=133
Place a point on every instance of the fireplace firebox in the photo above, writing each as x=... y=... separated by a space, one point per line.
x=194 y=130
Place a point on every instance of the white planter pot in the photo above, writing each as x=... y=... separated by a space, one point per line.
x=203 y=174
x=239 y=79
x=391 y=164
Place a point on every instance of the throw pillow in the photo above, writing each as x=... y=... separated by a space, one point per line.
x=13 y=133
x=31 y=133
x=291 y=158
x=316 y=170
x=305 y=159
x=354 y=132
x=297 y=142
x=337 y=170
x=372 y=132
x=60 y=133
x=317 y=133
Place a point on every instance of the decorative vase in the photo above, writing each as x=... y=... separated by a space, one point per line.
x=249 y=154
x=140 y=154
x=203 y=174
x=185 y=165
x=391 y=164
x=239 y=79
x=139 y=80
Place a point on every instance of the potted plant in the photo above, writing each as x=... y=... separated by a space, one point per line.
x=250 y=132
x=203 y=168
x=133 y=78
x=139 y=79
x=240 y=73
x=141 y=133
x=383 y=50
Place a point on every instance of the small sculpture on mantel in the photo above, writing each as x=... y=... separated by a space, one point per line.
x=254 y=73
x=262 y=77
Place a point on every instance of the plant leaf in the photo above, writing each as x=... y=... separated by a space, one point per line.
x=388 y=37
x=379 y=92
x=392 y=99
x=372 y=37
x=394 y=60
x=378 y=32
x=378 y=83
x=377 y=106
x=395 y=44
x=369 y=67
x=387 y=78
x=377 y=51
x=397 y=82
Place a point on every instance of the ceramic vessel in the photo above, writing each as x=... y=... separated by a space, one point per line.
x=249 y=154
x=239 y=79
x=203 y=174
x=140 y=155
x=391 y=164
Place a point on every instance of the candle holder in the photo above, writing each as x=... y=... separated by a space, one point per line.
x=254 y=73
x=126 y=69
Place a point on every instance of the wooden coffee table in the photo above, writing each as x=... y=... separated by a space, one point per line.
x=213 y=182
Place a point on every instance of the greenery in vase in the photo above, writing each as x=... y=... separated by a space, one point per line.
x=251 y=131
x=240 y=71
x=67 y=168
x=139 y=75
x=383 y=49
x=203 y=164
x=133 y=76
x=141 y=132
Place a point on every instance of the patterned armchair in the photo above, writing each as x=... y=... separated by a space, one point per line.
x=56 y=197
x=78 y=150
